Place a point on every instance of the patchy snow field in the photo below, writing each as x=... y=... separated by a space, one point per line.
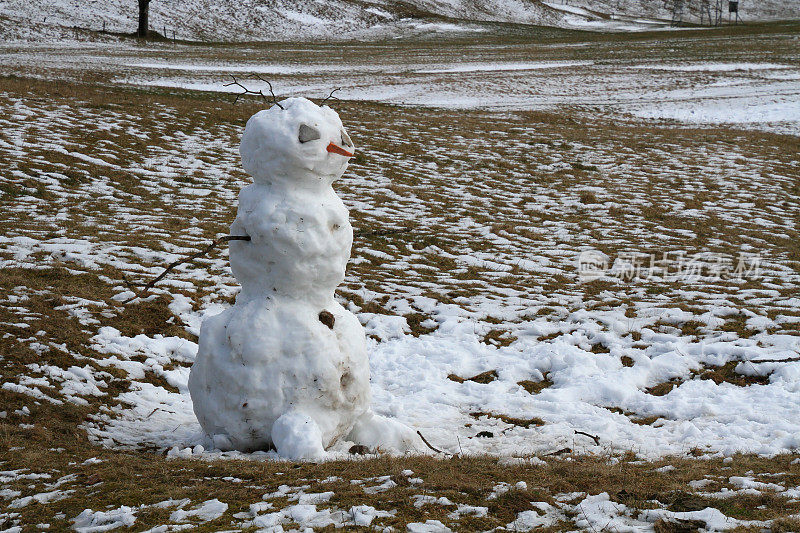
x=750 y=80
x=542 y=274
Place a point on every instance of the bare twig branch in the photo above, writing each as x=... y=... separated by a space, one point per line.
x=274 y=98
x=192 y=257
x=244 y=89
x=788 y=360
x=595 y=438
x=248 y=91
x=132 y=285
x=428 y=444
x=330 y=96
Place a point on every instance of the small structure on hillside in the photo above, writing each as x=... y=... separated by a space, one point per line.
x=709 y=12
x=678 y=8
x=733 y=10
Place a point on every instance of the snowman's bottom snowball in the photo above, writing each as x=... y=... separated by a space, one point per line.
x=262 y=359
x=296 y=436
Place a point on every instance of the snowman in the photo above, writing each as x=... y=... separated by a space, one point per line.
x=286 y=366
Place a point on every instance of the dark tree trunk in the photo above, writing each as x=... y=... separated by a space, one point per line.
x=144 y=12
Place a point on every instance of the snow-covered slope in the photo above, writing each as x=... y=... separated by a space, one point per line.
x=749 y=10
x=254 y=20
x=200 y=19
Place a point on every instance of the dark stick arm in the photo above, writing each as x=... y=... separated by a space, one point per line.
x=192 y=257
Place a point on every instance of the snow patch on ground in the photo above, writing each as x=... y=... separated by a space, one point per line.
x=500 y=67
x=205 y=512
x=97 y=521
x=714 y=67
x=781 y=115
x=410 y=375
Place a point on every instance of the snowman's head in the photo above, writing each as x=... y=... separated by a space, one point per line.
x=296 y=143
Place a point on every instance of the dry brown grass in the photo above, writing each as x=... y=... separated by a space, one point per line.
x=514 y=421
x=535 y=387
x=718 y=374
x=130 y=478
x=483 y=377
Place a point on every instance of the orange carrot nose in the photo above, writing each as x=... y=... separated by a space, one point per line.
x=334 y=149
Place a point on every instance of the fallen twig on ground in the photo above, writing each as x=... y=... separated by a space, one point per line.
x=787 y=360
x=428 y=444
x=595 y=438
x=559 y=452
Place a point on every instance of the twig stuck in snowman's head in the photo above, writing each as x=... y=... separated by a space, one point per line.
x=260 y=92
x=330 y=96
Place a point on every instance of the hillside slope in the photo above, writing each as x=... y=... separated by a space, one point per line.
x=749 y=10
x=256 y=20
x=297 y=20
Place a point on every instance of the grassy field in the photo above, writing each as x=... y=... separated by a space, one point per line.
x=473 y=214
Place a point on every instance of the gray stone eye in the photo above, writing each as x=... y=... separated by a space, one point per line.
x=346 y=139
x=307 y=133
